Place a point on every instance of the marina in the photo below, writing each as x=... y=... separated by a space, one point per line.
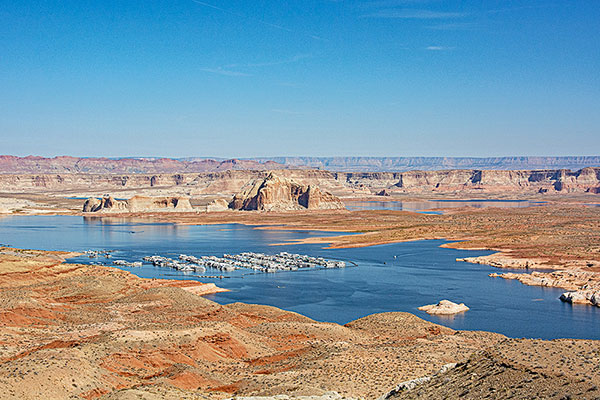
x=255 y=261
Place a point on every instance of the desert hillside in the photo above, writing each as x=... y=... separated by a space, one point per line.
x=81 y=331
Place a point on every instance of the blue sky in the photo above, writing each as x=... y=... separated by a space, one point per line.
x=234 y=78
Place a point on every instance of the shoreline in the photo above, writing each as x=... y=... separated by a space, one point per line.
x=357 y=232
x=60 y=257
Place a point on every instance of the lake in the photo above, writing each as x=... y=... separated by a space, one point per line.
x=426 y=206
x=393 y=277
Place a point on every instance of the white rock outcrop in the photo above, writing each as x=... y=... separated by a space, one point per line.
x=444 y=307
x=581 y=297
x=324 y=396
x=217 y=205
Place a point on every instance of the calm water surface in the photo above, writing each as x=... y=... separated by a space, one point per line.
x=426 y=206
x=395 y=277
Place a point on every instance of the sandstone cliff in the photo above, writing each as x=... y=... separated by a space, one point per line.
x=584 y=180
x=400 y=164
x=275 y=193
x=137 y=204
x=339 y=183
x=65 y=164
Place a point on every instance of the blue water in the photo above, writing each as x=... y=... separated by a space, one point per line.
x=426 y=206
x=421 y=273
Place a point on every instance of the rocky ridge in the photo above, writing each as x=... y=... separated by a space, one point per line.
x=516 y=369
x=66 y=164
x=229 y=182
x=436 y=163
x=144 y=165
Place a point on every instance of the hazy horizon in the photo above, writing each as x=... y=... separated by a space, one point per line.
x=299 y=156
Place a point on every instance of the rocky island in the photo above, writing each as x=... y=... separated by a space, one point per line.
x=444 y=307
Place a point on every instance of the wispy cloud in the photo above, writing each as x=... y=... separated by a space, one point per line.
x=413 y=14
x=438 y=48
x=225 y=72
x=256 y=20
x=291 y=60
x=390 y=3
x=260 y=21
x=510 y=9
x=455 y=26
x=233 y=69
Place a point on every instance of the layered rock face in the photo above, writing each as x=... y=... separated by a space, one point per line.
x=340 y=183
x=275 y=193
x=137 y=204
x=584 y=180
x=399 y=164
x=66 y=164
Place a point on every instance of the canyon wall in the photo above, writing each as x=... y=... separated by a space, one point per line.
x=400 y=164
x=339 y=183
x=141 y=165
x=66 y=164
x=487 y=181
